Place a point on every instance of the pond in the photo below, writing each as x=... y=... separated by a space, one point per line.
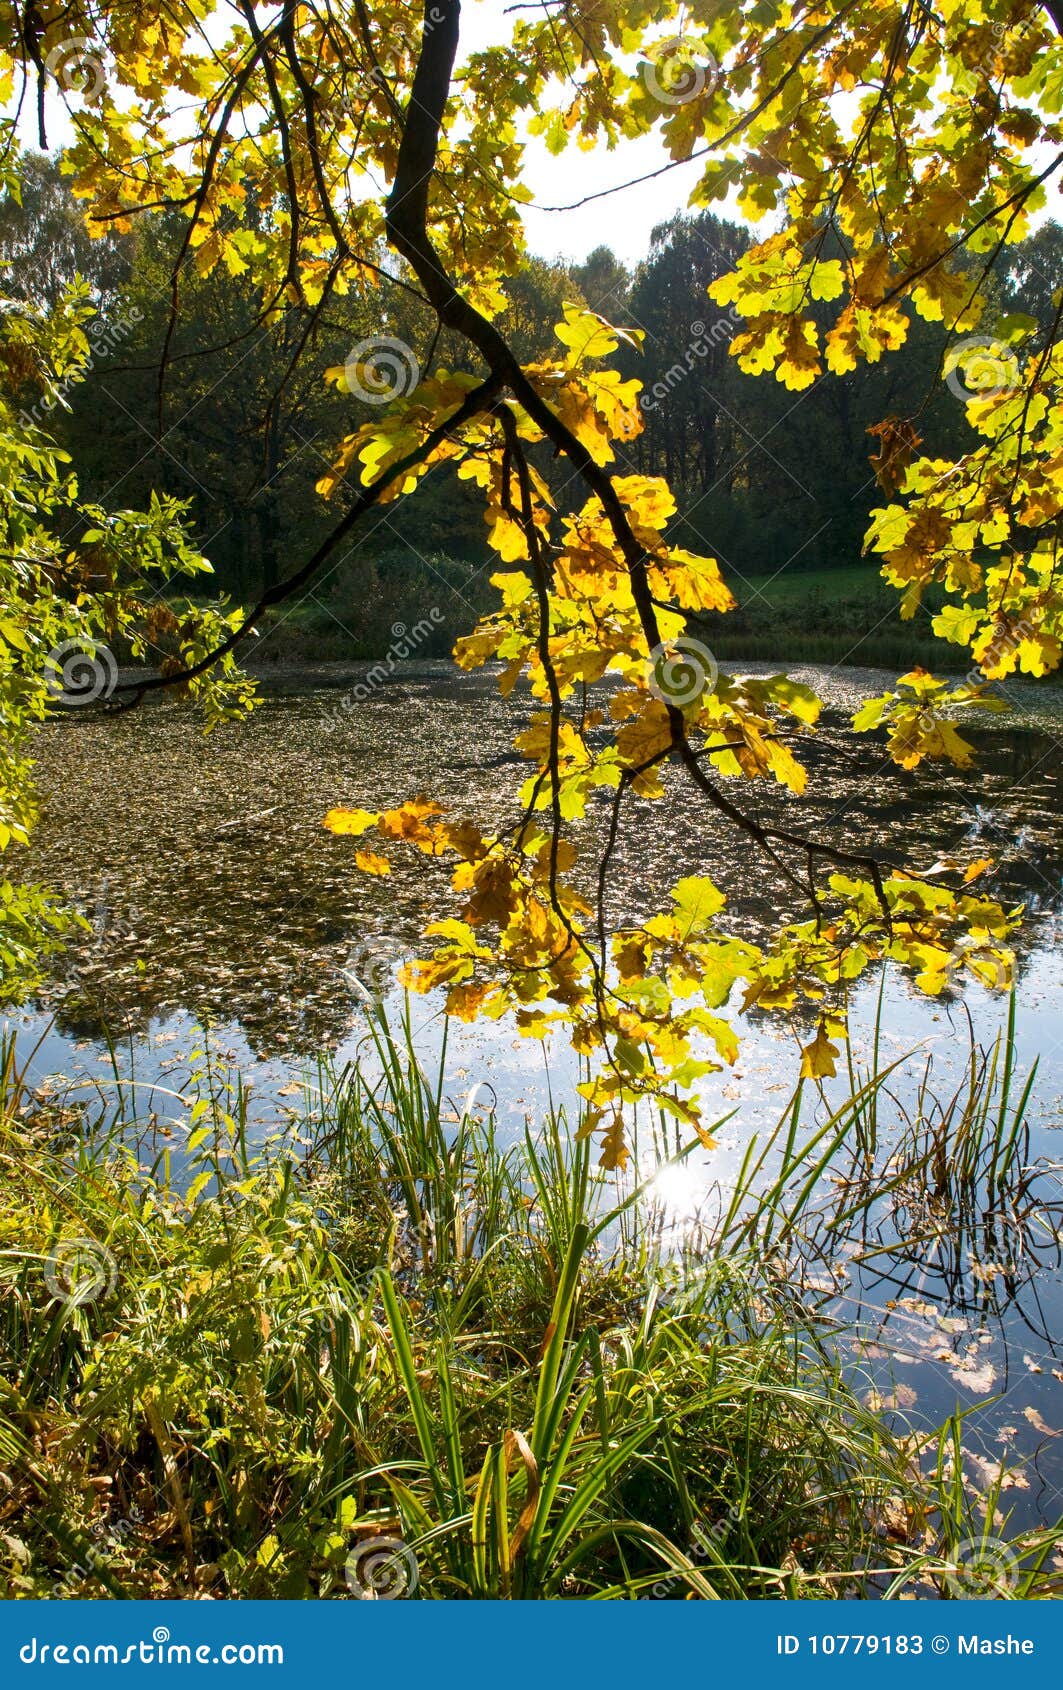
x=217 y=900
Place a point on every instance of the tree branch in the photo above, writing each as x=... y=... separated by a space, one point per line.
x=480 y=399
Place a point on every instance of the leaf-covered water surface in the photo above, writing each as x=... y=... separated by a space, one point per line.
x=216 y=898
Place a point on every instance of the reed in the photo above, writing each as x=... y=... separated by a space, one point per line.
x=386 y=1353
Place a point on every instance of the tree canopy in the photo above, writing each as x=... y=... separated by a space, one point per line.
x=892 y=154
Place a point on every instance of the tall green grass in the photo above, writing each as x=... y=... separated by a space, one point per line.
x=388 y=1354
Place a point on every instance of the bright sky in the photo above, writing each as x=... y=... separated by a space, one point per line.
x=622 y=221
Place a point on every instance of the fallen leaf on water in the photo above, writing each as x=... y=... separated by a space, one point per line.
x=895 y=1518
x=900 y=1396
x=967 y=1370
x=1039 y=1423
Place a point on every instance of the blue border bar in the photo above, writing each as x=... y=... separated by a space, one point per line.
x=532 y=1646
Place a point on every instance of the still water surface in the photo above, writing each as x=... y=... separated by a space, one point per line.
x=217 y=900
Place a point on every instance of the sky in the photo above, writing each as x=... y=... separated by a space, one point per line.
x=565 y=218
x=624 y=220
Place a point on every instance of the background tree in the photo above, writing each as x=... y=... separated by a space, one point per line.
x=45 y=244
x=296 y=118
x=78 y=582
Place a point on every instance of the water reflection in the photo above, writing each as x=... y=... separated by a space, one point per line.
x=215 y=897
x=212 y=888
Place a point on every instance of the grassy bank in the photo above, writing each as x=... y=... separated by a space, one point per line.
x=817 y=616
x=384 y=1356
x=836 y=616
x=832 y=616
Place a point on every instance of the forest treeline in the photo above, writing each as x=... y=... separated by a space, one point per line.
x=243 y=423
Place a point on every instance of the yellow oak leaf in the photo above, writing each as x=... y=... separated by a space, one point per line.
x=819 y=1059
x=371 y=863
x=349 y=821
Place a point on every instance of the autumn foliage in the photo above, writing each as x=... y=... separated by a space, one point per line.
x=890 y=151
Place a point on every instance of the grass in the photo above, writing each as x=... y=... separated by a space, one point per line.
x=945 y=1181
x=846 y=616
x=835 y=616
x=385 y=1354
x=813 y=616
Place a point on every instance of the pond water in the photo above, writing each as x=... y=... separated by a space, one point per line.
x=216 y=900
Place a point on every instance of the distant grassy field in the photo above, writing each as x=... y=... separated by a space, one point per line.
x=834 y=616
x=827 y=616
